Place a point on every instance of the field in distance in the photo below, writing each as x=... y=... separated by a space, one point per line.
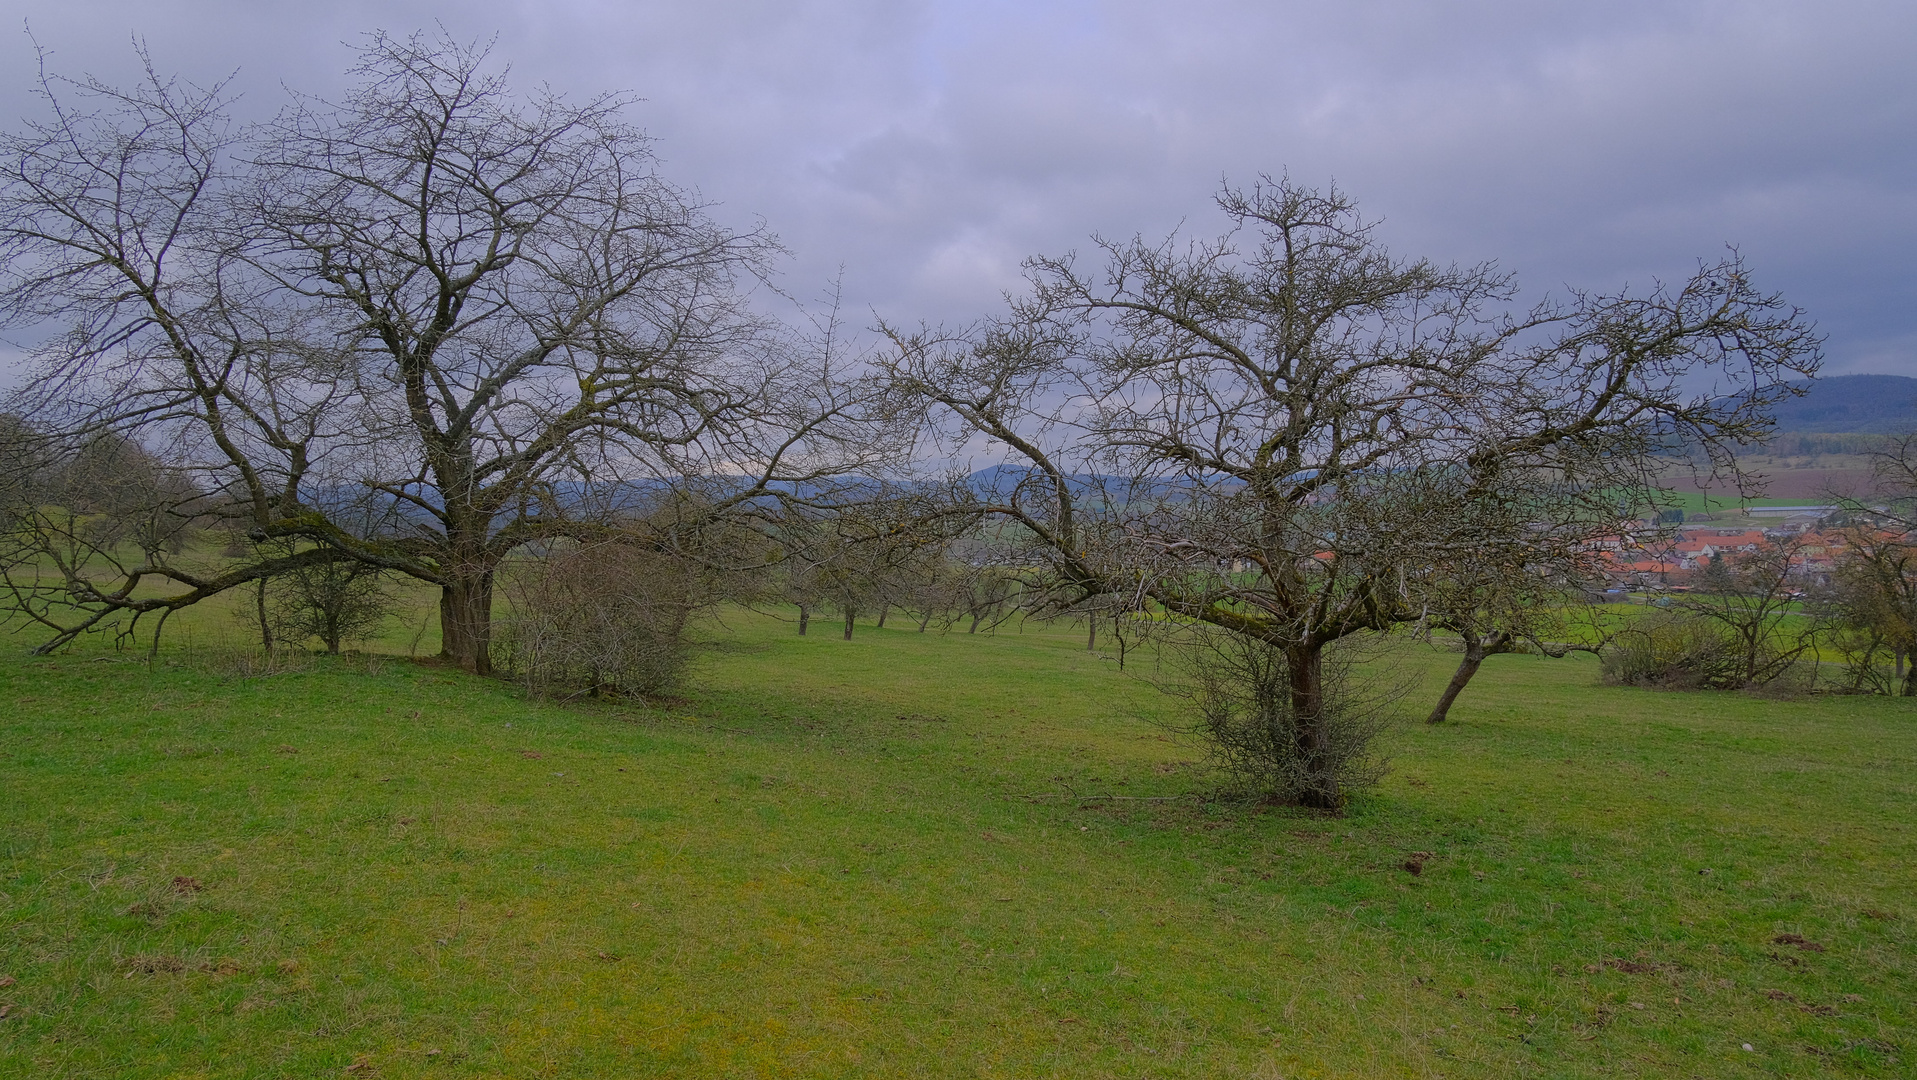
x=925 y=855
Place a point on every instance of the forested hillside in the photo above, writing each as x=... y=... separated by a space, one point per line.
x=1852 y=403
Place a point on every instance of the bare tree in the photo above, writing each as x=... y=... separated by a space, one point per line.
x=863 y=555
x=834 y=567
x=79 y=515
x=1872 y=606
x=262 y=617
x=935 y=592
x=804 y=582
x=471 y=318
x=124 y=493
x=1545 y=621
x=1289 y=422
x=988 y=596
x=1875 y=587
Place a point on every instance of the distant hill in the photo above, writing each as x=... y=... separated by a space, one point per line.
x=1819 y=443
x=1876 y=404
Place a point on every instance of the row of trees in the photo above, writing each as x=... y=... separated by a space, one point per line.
x=436 y=324
x=930 y=583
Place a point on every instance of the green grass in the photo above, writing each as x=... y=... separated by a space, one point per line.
x=885 y=857
x=1695 y=502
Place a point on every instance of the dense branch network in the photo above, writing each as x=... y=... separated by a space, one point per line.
x=422 y=326
x=1290 y=435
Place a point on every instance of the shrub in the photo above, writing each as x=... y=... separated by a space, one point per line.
x=335 y=599
x=605 y=618
x=1241 y=711
x=1674 y=650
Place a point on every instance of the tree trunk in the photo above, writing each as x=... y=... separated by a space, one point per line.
x=1748 y=677
x=848 y=624
x=266 y=623
x=805 y=617
x=1306 y=670
x=1475 y=650
x=925 y=622
x=1910 y=680
x=883 y=609
x=1091 y=632
x=976 y=616
x=1468 y=667
x=466 y=621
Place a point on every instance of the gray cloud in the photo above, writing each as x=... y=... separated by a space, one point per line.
x=929 y=146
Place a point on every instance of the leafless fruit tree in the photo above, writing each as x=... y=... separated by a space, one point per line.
x=1756 y=598
x=863 y=555
x=1284 y=433
x=420 y=326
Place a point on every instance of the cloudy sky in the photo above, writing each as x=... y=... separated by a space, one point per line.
x=927 y=147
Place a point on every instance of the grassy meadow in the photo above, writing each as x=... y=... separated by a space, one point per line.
x=924 y=855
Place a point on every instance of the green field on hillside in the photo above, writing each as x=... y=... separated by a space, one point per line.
x=926 y=855
x=1695 y=502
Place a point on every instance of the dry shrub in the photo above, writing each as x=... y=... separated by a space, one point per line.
x=1241 y=711
x=1799 y=678
x=1670 y=650
x=597 y=619
x=1681 y=650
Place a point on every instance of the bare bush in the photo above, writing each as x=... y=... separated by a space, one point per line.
x=1244 y=711
x=1869 y=660
x=334 y=599
x=1680 y=650
x=1756 y=599
x=326 y=595
x=1746 y=627
x=597 y=619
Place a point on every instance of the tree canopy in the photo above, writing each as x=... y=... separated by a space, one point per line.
x=1295 y=436
x=422 y=326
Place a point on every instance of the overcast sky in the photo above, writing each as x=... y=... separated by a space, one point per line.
x=928 y=147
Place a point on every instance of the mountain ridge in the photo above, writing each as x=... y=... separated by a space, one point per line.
x=1851 y=404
